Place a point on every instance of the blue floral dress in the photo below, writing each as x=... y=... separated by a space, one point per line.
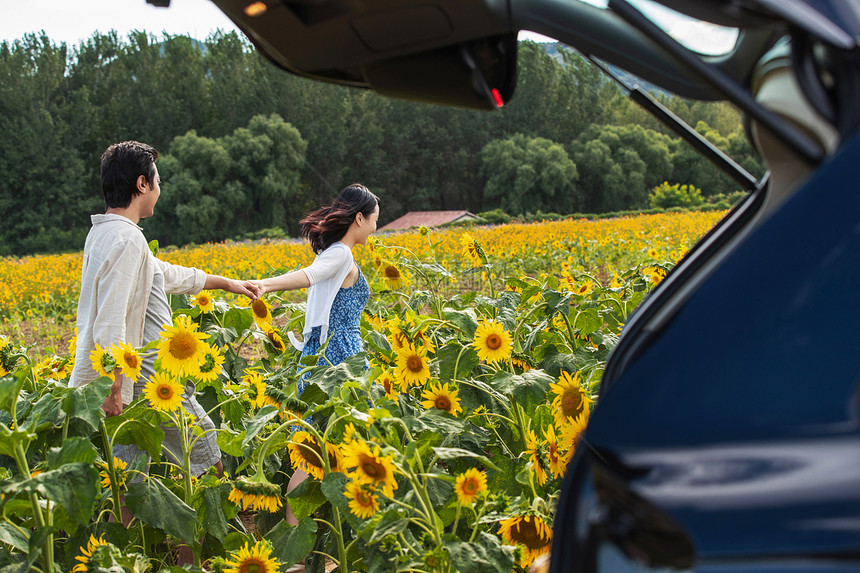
x=344 y=326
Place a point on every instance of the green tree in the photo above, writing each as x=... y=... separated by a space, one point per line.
x=41 y=172
x=618 y=165
x=220 y=188
x=529 y=174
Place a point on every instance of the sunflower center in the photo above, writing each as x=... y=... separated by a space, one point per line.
x=386 y=383
x=165 y=392
x=414 y=363
x=311 y=453
x=363 y=498
x=208 y=364
x=372 y=469
x=259 y=308
x=571 y=404
x=392 y=273
x=527 y=534
x=252 y=565
x=494 y=341
x=442 y=403
x=470 y=486
x=183 y=345
x=130 y=359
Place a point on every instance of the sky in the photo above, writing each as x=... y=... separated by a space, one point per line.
x=72 y=21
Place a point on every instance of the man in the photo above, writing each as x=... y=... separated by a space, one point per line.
x=124 y=291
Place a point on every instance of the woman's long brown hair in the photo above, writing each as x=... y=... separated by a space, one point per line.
x=329 y=224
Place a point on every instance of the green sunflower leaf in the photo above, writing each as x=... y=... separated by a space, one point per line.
x=74 y=486
x=139 y=425
x=292 y=543
x=76 y=449
x=156 y=506
x=85 y=402
x=485 y=555
x=458 y=453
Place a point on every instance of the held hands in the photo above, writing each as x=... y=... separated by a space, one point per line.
x=251 y=289
x=258 y=283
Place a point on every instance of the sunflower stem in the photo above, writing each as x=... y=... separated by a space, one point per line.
x=477 y=519
x=456 y=520
x=338 y=533
x=114 y=486
x=570 y=334
x=38 y=516
x=518 y=412
x=186 y=473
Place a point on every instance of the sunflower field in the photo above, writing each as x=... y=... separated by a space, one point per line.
x=439 y=448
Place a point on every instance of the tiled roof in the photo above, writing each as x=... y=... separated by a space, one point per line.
x=428 y=219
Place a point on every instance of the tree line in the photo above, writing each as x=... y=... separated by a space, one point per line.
x=246 y=146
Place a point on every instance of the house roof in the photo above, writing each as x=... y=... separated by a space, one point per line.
x=428 y=219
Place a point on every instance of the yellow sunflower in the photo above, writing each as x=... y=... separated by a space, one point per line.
x=276 y=340
x=521 y=364
x=389 y=383
x=306 y=455
x=583 y=288
x=492 y=341
x=392 y=275
x=469 y=486
x=530 y=532
x=262 y=313
x=85 y=555
x=255 y=559
x=257 y=394
x=363 y=501
x=370 y=467
x=570 y=433
x=472 y=250
x=210 y=366
x=119 y=467
x=102 y=361
x=256 y=493
x=127 y=360
x=204 y=301
x=532 y=450
x=398 y=337
x=163 y=392
x=570 y=398
x=441 y=398
x=424 y=340
x=73 y=343
x=413 y=367
x=181 y=347
x=556 y=467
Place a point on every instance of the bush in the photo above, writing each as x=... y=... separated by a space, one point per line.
x=495 y=217
x=273 y=233
x=667 y=196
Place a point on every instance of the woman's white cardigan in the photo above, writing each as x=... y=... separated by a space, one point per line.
x=326 y=275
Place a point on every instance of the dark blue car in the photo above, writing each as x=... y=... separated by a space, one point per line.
x=727 y=435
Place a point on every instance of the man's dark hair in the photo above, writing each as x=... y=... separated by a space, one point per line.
x=122 y=164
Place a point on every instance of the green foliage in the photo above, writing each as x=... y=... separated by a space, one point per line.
x=495 y=217
x=523 y=173
x=232 y=168
x=666 y=196
x=217 y=188
x=618 y=165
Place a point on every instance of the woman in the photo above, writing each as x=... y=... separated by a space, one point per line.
x=338 y=290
